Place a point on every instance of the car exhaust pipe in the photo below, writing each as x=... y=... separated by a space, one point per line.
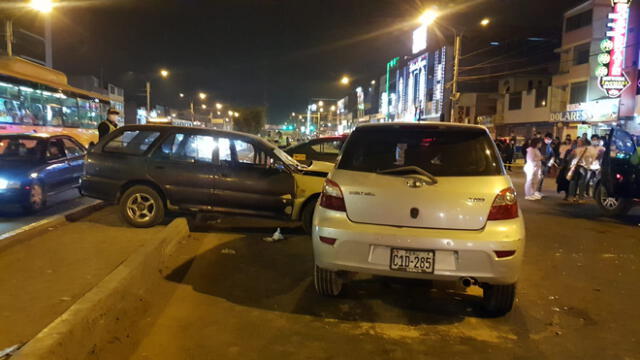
x=467 y=281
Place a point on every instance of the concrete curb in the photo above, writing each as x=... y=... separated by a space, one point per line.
x=14 y=237
x=106 y=315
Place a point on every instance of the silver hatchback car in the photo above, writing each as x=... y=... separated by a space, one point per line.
x=426 y=201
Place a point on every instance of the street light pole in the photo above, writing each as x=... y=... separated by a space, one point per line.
x=9 y=36
x=148 y=97
x=456 y=69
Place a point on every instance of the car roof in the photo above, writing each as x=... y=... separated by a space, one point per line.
x=35 y=136
x=422 y=125
x=214 y=132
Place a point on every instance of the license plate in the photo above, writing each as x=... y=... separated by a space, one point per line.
x=418 y=261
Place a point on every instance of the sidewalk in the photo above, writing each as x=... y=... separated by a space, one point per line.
x=42 y=277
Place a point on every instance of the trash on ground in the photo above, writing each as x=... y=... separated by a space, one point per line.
x=277 y=236
x=228 y=251
x=9 y=351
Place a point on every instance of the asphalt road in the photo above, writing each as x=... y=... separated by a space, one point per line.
x=12 y=217
x=241 y=297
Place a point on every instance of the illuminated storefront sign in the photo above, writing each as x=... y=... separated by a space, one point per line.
x=612 y=80
x=420 y=39
x=593 y=111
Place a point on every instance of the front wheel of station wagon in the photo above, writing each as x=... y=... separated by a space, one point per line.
x=142 y=207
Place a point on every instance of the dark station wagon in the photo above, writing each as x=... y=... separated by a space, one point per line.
x=149 y=169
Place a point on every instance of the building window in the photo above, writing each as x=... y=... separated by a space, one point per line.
x=515 y=101
x=578 y=93
x=541 y=96
x=581 y=54
x=578 y=21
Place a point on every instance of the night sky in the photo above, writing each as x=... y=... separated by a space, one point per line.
x=277 y=53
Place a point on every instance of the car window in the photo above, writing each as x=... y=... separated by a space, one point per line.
x=328 y=147
x=441 y=152
x=187 y=147
x=132 y=142
x=55 y=150
x=245 y=151
x=71 y=148
x=622 y=145
x=16 y=148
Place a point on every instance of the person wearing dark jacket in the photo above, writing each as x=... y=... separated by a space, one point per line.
x=548 y=156
x=109 y=124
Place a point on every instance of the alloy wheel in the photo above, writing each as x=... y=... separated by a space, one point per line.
x=141 y=207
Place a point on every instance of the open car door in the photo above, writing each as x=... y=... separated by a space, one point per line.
x=620 y=181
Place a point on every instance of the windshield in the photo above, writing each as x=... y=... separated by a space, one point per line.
x=18 y=149
x=439 y=152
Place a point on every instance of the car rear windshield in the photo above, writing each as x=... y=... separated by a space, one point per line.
x=439 y=151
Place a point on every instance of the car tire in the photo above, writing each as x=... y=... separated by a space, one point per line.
x=142 y=207
x=307 y=216
x=498 y=299
x=612 y=206
x=327 y=282
x=37 y=198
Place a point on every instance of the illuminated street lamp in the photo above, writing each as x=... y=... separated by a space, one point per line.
x=181 y=96
x=320 y=103
x=219 y=106
x=164 y=73
x=485 y=22
x=230 y=113
x=236 y=114
x=428 y=17
x=333 y=108
x=202 y=96
x=43 y=6
x=345 y=80
x=203 y=106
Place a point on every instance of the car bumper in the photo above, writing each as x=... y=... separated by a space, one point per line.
x=14 y=196
x=367 y=248
x=99 y=188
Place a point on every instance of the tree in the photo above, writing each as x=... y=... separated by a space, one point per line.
x=250 y=120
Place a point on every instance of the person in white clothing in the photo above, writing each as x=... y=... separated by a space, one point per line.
x=533 y=170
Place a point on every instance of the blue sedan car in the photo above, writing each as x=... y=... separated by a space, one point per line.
x=35 y=166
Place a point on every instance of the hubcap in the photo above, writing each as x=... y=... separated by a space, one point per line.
x=141 y=207
x=607 y=201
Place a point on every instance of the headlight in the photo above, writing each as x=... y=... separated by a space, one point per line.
x=8 y=184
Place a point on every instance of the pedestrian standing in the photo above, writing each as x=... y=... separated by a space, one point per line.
x=509 y=150
x=109 y=124
x=548 y=157
x=596 y=151
x=577 y=174
x=533 y=169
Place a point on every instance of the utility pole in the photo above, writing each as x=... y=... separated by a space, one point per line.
x=455 y=95
x=48 y=39
x=148 y=98
x=9 y=36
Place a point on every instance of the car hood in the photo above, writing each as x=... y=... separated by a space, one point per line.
x=320 y=166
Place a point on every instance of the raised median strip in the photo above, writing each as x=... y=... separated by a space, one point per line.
x=27 y=232
x=104 y=319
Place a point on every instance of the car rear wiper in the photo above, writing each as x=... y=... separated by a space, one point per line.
x=414 y=169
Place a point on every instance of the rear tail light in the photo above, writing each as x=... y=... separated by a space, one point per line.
x=505 y=206
x=332 y=197
x=327 y=240
x=501 y=254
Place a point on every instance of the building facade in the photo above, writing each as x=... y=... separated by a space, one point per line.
x=596 y=86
